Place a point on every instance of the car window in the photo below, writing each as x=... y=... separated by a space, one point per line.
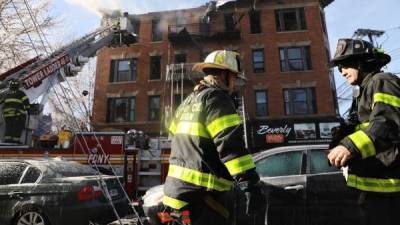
x=31 y=175
x=11 y=172
x=281 y=164
x=72 y=169
x=319 y=162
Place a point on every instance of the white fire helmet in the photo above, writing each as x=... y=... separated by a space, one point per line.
x=220 y=59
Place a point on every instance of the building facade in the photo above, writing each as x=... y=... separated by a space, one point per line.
x=284 y=52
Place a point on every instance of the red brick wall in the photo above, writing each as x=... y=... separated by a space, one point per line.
x=273 y=79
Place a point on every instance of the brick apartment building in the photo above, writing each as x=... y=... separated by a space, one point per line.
x=290 y=93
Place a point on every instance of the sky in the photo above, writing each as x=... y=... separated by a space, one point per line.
x=343 y=17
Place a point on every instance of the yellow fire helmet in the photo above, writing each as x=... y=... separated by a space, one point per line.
x=220 y=59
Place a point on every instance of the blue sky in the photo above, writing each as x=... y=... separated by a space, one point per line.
x=343 y=17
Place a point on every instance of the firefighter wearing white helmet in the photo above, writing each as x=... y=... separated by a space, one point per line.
x=208 y=153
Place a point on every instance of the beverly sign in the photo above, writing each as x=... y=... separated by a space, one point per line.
x=35 y=77
x=265 y=129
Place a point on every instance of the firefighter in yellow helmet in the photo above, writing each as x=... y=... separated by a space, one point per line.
x=15 y=107
x=208 y=153
x=371 y=151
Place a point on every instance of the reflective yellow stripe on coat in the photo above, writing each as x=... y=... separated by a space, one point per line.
x=239 y=165
x=386 y=99
x=222 y=123
x=173 y=202
x=373 y=184
x=189 y=128
x=199 y=178
x=363 y=143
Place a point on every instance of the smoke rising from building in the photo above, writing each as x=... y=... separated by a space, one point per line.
x=99 y=7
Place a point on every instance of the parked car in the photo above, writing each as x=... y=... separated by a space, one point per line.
x=57 y=192
x=300 y=188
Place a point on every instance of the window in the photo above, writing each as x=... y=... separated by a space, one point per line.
x=300 y=101
x=154 y=108
x=295 y=58
x=11 y=172
x=156 y=34
x=123 y=70
x=319 y=164
x=255 y=25
x=121 y=109
x=155 y=67
x=31 y=175
x=258 y=60
x=290 y=19
x=229 y=22
x=136 y=27
x=180 y=58
x=261 y=103
x=281 y=164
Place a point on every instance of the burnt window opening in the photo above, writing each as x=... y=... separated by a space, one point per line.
x=180 y=58
x=261 y=103
x=156 y=34
x=290 y=19
x=258 y=60
x=121 y=109
x=154 y=108
x=295 y=58
x=123 y=70
x=300 y=101
x=155 y=67
x=255 y=22
x=229 y=22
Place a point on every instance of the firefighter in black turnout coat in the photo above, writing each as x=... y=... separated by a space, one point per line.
x=15 y=107
x=208 y=153
x=372 y=150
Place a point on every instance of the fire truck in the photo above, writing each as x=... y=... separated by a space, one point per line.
x=107 y=151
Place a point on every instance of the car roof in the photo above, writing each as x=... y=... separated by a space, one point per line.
x=260 y=155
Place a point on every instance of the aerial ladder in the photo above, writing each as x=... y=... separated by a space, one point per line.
x=39 y=75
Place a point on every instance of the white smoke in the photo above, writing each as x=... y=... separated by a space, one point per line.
x=99 y=7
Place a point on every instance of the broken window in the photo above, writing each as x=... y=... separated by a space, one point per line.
x=155 y=67
x=11 y=172
x=295 y=58
x=300 y=101
x=290 y=19
x=156 y=34
x=123 y=70
x=121 y=109
x=180 y=58
x=255 y=24
x=229 y=22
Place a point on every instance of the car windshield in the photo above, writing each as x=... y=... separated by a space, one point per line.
x=11 y=172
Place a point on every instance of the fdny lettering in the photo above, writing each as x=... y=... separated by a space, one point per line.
x=36 y=77
x=98 y=159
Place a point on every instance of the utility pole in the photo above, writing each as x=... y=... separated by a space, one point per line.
x=372 y=35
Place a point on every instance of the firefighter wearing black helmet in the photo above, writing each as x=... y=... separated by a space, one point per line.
x=15 y=107
x=372 y=150
x=208 y=153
